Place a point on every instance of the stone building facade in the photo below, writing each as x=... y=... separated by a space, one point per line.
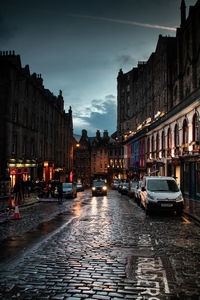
x=99 y=157
x=36 y=133
x=168 y=142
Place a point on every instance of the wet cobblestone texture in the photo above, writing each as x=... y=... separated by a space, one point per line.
x=109 y=250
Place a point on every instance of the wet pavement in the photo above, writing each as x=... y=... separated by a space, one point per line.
x=107 y=248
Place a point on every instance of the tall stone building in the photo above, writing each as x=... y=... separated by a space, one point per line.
x=163 y=136
x=148 y=86
x=171 y=73
x=36 y=133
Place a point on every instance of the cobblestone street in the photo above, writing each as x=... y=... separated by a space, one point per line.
x=108 y=249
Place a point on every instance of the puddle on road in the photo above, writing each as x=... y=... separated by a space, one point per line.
x=12 y=247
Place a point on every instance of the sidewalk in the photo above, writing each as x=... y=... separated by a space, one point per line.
x=192 y=208
x=7 y=214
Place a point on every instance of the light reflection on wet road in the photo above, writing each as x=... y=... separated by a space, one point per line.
x=107 y=248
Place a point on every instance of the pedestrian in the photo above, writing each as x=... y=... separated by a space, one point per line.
x=21 y=190
x=60 y=193
x=16 y=191
x=47 y=188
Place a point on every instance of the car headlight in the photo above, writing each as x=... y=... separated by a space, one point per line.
x=150 y=197
x=93 y=188
x=104 y=188
x=179 y=198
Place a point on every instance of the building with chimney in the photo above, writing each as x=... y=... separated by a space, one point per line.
x=99 y=157
x=159 y=108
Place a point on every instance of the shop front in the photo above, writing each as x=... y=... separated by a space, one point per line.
x=48 y=171
x=20 y=169
x=190 y=177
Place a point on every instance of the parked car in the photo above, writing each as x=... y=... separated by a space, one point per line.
x=131 y=189
x=69 y=190
x=79 y=187
x=115 y=184
x=99 y=188
x=161 y=193
x=137 y=192
x=124 y=189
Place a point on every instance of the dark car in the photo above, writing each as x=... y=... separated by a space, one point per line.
x=68 y=190
x=124 y=189
x=99 y=188
x=79 y=187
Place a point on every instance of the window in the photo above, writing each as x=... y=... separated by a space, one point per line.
x=14 y=144
x=185 y=133
x=15 y=112
x=32 y=148
x=24 y=146
x=195 y=127
x=157 y=145
x=163 y=144
x=152 y=146
x=25 y=117
x=148 y=147
x=169 y=142
x=176 y=136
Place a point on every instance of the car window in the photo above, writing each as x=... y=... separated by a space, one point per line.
x=99 y=183
x=160 y=185
x=67 y=185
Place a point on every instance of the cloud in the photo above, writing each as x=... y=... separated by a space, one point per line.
x=102 y=115
x=126 y=60
x=125 y=22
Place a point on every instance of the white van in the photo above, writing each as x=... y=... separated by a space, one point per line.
x=160 y=192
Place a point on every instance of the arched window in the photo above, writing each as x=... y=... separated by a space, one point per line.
x=157 y=145
x=176 y=136
x=148 y=147
x=152 y=146
x=163 y=144
x=195 y=128
x=169 y=142
x=185 y=133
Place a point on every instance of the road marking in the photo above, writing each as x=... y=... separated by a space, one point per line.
x=150 y=273
x=186 y=220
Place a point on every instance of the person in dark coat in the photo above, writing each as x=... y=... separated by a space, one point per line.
x=16 y=191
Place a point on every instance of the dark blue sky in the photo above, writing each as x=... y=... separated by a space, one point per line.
x=79 y=46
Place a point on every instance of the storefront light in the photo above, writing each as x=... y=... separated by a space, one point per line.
x=19 y=165
x=12 y=165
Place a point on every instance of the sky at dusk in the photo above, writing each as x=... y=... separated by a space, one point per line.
x=79 y=46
